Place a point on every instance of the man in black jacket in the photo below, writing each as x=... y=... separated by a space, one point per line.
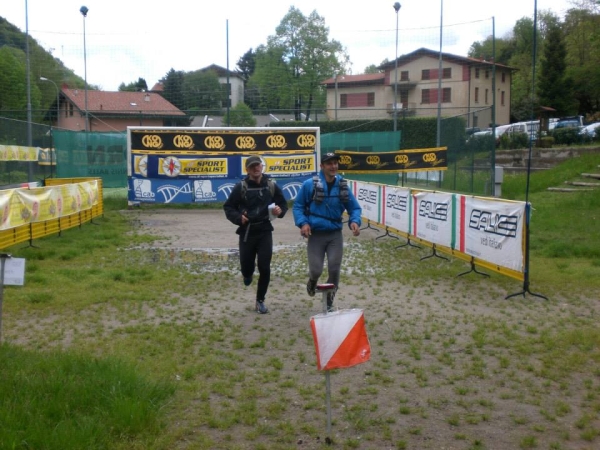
x=248 y=206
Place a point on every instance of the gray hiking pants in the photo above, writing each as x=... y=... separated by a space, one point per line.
x=321 y=243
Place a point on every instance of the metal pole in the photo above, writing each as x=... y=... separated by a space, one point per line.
x=29 y=118
x=84 y=10
x=3 y=257
x=440 y=72
x=396 y=8
x=439 y=112
x=57 y=97
x=493 y=161
x=57 y=116
x=227 y=55
x=327 y=374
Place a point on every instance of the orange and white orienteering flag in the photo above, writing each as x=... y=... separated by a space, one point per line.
x=340 y=339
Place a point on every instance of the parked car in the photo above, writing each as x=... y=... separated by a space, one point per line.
x=567 y=124
x=486 y=132
x=592 y=130
x=500 y=130
x=531 y=128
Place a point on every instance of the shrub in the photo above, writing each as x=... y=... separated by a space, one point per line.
x=567 y=136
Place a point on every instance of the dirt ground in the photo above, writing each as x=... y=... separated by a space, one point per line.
x=206 y=229
x=447 y=371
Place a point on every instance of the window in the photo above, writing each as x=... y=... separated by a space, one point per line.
x=71 y=109
x=371 y=99
x=431 y=95
x=425 y=74
x=343 y=100
x=476 y=72
x=447 y=73
x=503 y=77
x=358 y=100
x=404 y=97
x=502 y=98
x=476 y=95
x=447 y=95
x=487 y=73
x=404 y=75
x=486 y=96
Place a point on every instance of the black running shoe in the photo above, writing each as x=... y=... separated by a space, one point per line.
x=261 y=308
x=248 y=281
x=311 y=287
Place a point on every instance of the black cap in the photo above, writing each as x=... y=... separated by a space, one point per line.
x=328 y=156
x=253 y=160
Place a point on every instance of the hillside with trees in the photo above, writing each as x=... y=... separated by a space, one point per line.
x=567 y=77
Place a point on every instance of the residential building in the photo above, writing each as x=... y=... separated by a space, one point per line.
x=235 y=80
x=467 y=87
x=114 y=111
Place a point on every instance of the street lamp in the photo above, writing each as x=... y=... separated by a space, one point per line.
x=57 y=116
x=396 y=8
x=57 y=97
x=84 y=10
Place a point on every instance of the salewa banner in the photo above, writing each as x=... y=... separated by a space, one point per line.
x=393 y=162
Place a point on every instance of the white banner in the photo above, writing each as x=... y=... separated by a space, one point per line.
x=396 y=208
x=432 y=217
x=493 y=231
x=369 y=199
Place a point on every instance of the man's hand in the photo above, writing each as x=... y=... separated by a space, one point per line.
x=305 y=230
x=245 y=220
x=355 y=229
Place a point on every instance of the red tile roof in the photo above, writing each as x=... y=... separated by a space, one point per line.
x=363 y=79
x=122 y=103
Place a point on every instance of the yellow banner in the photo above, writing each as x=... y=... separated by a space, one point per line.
x=23 y=206
x=289 y=164
x=18 y=153
x=204 y=166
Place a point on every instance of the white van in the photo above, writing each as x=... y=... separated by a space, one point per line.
x=531 y=128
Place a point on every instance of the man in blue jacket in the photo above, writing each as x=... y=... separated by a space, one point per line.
x=318 y=210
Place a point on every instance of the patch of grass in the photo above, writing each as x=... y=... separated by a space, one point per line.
x=442 y=346
x=72 y=401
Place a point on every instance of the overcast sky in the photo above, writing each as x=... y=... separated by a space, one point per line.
x=129 y=39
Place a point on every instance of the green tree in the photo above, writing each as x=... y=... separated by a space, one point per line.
x=136 y=86
x=173 y=88
x=554 y=89
x=372 y=68
x=524 y=100
x=303 y=46
x=246 y=64
x=241 y=116
x=504 y=50
x=271 y=80
x=13 y=101
x=202 y=91
x=582 y=41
